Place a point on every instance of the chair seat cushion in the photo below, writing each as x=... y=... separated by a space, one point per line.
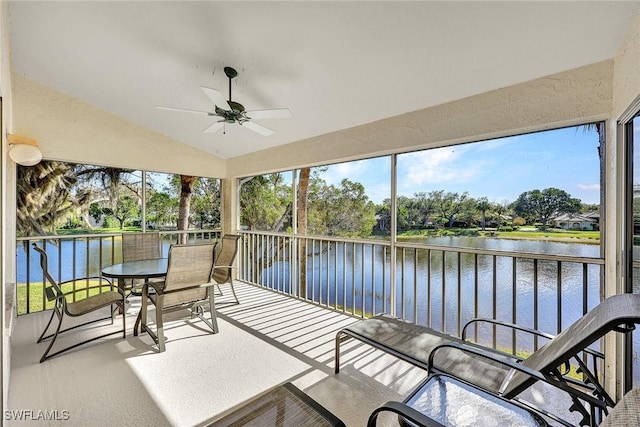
x=94 y=302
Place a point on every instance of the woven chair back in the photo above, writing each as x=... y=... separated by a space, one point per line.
x=44 y=263
x=189 y=265
x=226 y=256
x=141 y=246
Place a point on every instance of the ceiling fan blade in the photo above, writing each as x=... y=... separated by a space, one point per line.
x=257 y=128
x=278 y=113
x=217 y=98
x=214 y=127
x=183 y=110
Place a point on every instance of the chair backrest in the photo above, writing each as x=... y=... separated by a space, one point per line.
x=189 y=266
x=626 y=412
x=226 y=257
x=141 y=246
x=44 y=263
x=616 y=313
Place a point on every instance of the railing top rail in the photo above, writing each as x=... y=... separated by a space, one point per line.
x=494 y=252
x=323 y=238
x=491 y=252
x=98 y=235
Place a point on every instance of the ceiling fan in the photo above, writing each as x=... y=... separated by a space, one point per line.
x=234 y=112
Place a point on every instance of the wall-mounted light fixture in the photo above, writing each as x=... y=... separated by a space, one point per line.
x=24 y=151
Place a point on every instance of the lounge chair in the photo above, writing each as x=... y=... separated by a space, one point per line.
x=506 y=375
x=223 y=265
x=186 y=286
x=77 y=303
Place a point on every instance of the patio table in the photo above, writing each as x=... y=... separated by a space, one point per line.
x=282 y=406
x=145 y=269
x=452 y=403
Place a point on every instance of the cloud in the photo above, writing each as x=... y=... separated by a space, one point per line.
x=438 y=166
x=589 y=187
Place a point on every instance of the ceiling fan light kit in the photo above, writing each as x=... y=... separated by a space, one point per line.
x=232 y=112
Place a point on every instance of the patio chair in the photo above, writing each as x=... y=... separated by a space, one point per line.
x=138 y=247
x=186 y=286
x=506 y=375
x=626 y=412
x=223 y=265
x=77 y=303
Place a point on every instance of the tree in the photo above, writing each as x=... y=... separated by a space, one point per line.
x=162 y=209
x=51 y=192
x=205 y=202
x=483 y=206
x=265 y=203
x=126 y=208
x=187 y=183
x=301 y=209
x=541 y=205
x=449 y=205
x=340 y=211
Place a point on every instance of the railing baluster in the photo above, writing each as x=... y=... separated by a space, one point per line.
x=495 y=297
x=459 y=302
x=362 y=278
x=514 y=302
x=476 y=294
x=535 y=302
x=559 y=297
x=415 y=286
x=402 y=282
x=429 y=305
x=443 y=294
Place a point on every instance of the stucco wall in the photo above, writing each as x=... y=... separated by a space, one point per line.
x=626 y=81
x=71 y=130
x=563 y=99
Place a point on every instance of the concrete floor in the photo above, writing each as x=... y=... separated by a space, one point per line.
x=266 y=340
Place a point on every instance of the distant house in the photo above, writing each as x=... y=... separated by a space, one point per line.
x=589 y=221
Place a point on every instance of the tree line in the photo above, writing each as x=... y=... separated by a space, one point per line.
x=53 y=194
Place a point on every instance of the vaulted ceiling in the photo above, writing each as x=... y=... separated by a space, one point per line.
x=335 y=65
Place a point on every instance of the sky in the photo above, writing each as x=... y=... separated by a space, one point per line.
x=499 y=169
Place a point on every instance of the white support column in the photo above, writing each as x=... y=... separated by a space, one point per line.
x=230 y=205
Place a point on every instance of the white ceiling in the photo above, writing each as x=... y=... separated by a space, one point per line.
x=335 y=65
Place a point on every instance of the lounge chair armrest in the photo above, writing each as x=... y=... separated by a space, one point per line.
x=505 y=324
x=405 y=412
x=539 y=376
x=224 y=266
x=519 y=328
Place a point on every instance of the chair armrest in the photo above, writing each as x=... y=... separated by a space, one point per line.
x=110 y=285
x=519 y=328
x=405 y=412
x=536 y=375
x=160 y=289
x=224 y=266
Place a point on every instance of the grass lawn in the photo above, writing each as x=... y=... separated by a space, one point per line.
x=74 y=231
x=553 y=234
x=577 y=236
